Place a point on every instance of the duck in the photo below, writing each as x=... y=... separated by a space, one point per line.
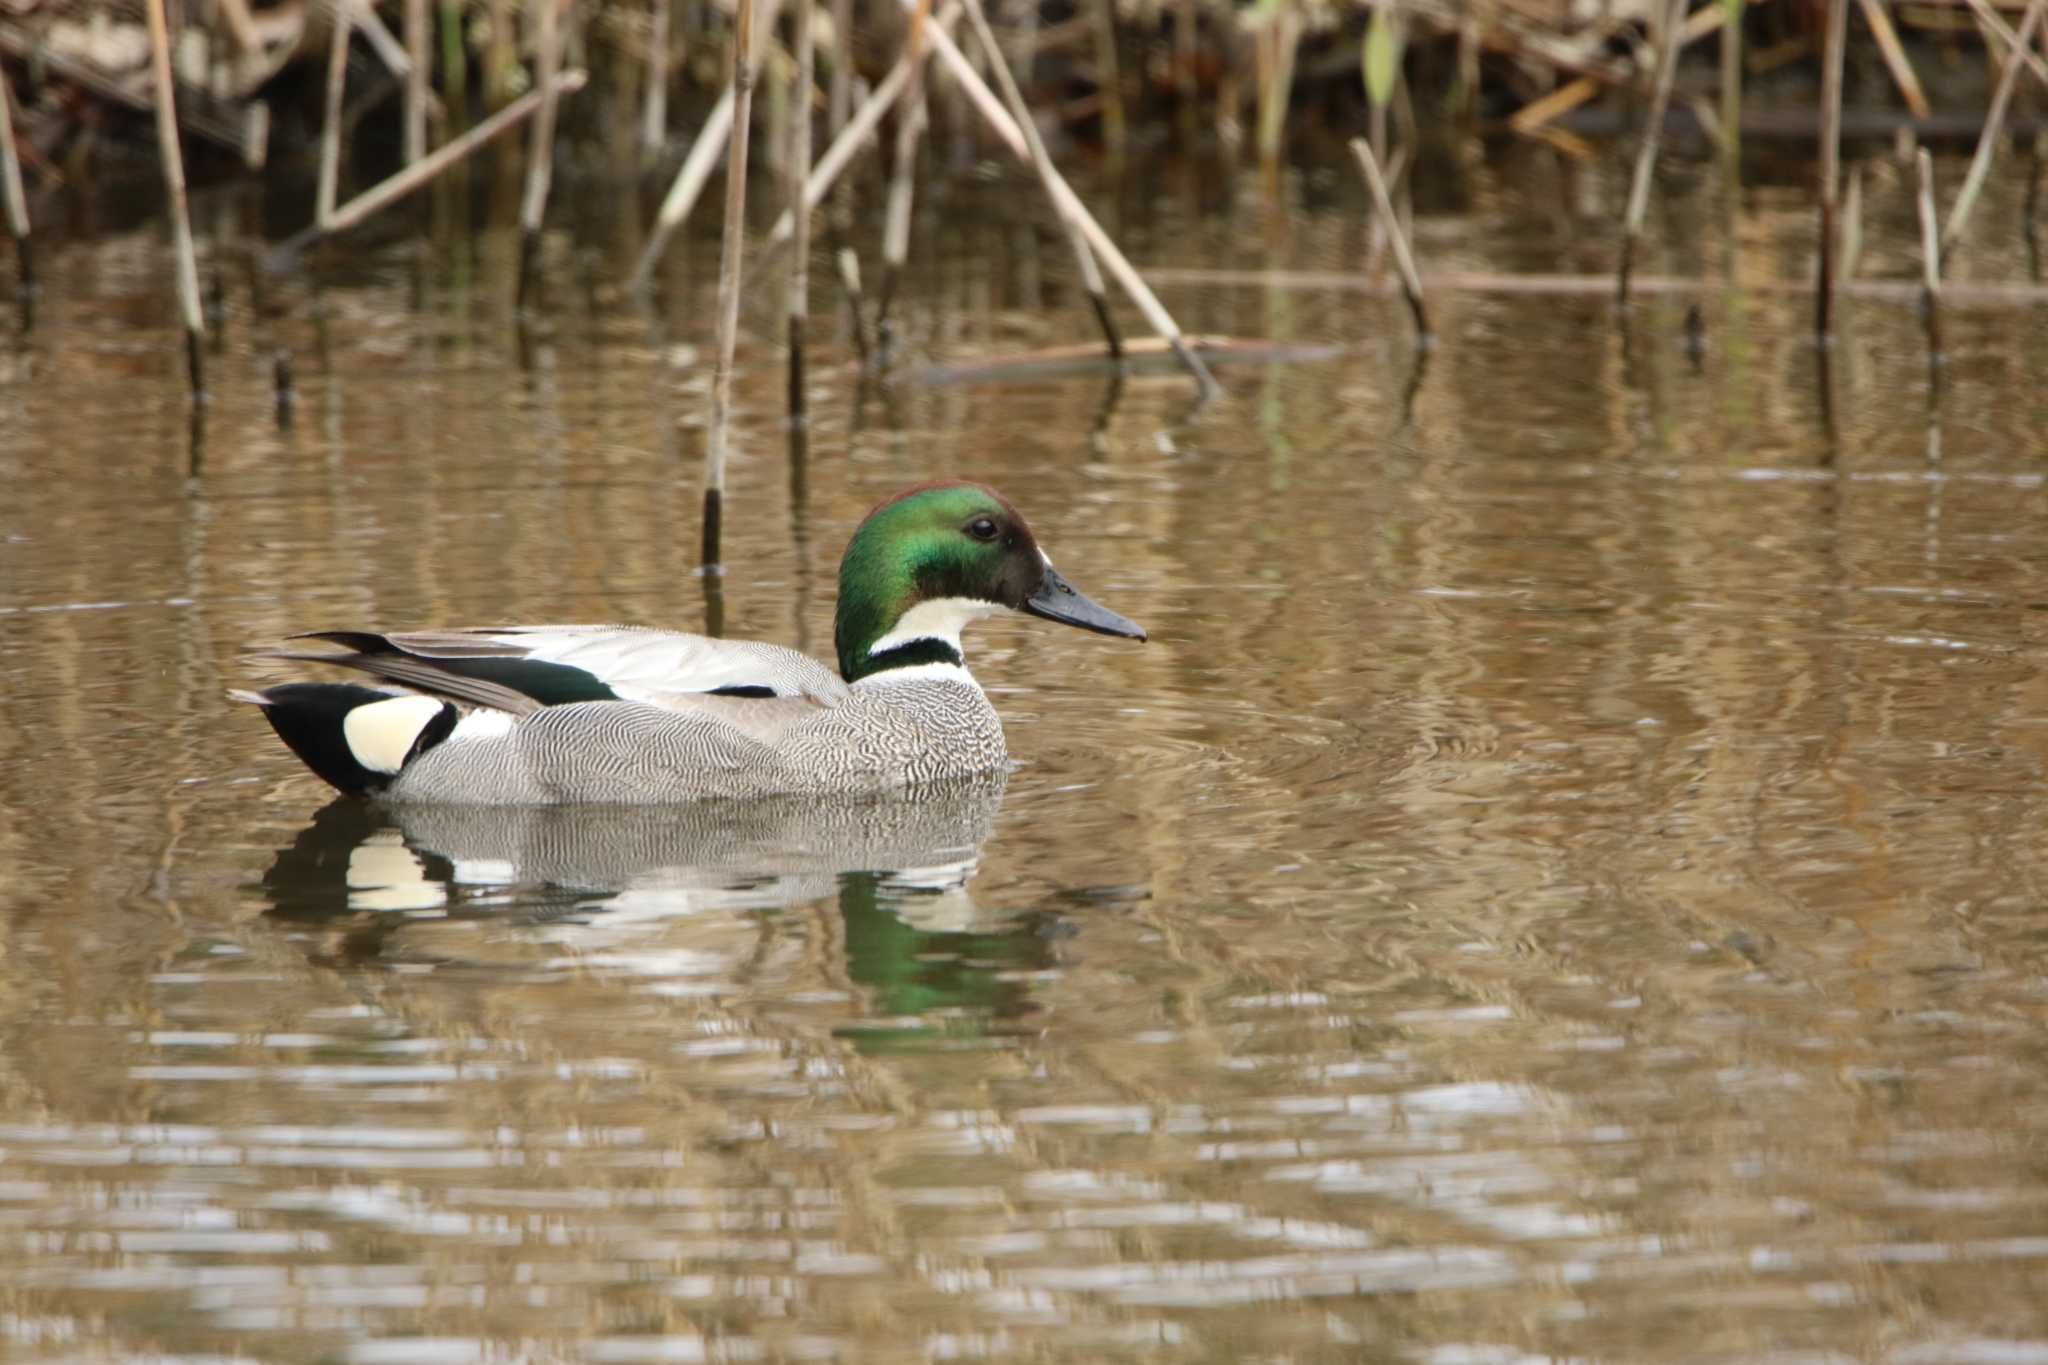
x=555 y=715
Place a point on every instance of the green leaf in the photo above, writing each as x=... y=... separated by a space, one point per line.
x=1382 y=57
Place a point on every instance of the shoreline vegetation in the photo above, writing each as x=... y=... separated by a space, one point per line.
x=227 y=88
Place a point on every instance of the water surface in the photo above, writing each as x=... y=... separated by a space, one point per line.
x=1564 y=878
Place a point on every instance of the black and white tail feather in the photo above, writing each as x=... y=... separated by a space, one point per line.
x=356 y=739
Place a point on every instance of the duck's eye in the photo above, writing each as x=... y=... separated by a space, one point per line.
x=982 y=528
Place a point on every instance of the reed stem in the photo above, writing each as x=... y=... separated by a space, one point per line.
x=1987 y=140
x=857 y=129
x=1930 y=255
x=654 y=99
x=1646 y=154
x=330 y=127
x=388 y=191
x=1404 y=260
x=799 y=167
x=174 y=187
x=731 y=254
x=1731 y=87
x=712 y=142
x=417 y=52
x=1852 y=226
x=1830 y=162
x=1066 y=201
x=1041 y=163
x=540 y=156
x=903 y=176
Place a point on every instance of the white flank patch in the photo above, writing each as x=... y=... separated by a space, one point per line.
x=381 y=734
x=483 y=724
x=941 y=618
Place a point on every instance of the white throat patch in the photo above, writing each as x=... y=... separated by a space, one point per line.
x=941 y=618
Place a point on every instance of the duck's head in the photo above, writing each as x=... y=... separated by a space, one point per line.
x=934 y=557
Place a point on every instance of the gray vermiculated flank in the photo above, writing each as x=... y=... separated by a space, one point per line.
x=886 y=733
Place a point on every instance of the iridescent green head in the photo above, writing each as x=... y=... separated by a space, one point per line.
x=934 y=557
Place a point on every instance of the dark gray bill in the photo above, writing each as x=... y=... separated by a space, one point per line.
x=1057 y=600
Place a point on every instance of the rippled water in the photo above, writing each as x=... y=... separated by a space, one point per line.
x=1564 y=878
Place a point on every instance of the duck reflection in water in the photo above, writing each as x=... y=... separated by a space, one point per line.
x=367 y=884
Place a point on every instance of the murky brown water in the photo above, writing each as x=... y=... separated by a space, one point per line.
x=1565 y=879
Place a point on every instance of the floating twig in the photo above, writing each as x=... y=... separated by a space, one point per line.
x=730 y=259
x=1830 y=161
x=1646 y=155
x=799 y=168
x=174 y=189
x=1987 y=140
x=540 y=157
x=1041 y=163
x=1411 y=279
x=711 y=144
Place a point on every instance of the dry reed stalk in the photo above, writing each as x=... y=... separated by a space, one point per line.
x=416 y=80
x=903 y=175
x=1990 y=19
x=711 y=144
x=654 y=99
x=15 y=193
x=1404 y=260
x=174 y=188
x=732 y=248
x=1987 y=140
x=540 y=156
x=798 y=165
x=1041 y=162
x=1067 y=202
x=1646 y=155
x=857 y=129
x=1830 y=161
x=388 y=191
x=1895 y=59
x=381 y=39
x=330 y=127
x=1930 y=256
